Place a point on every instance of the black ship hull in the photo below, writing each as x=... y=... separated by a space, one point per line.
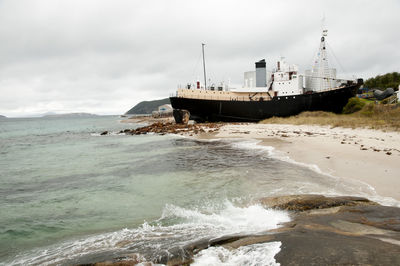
x=252 y=111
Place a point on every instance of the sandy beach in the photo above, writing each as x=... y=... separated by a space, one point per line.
x=366 y=155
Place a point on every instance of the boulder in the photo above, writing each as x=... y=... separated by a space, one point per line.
x=181 y=116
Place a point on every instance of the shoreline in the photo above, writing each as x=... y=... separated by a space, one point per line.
x=356 y=155
x=368 y=156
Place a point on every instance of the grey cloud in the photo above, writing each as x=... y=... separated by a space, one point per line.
x=105 y=56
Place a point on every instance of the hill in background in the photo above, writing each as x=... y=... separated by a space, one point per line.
x=146 y=107
x=2 y=116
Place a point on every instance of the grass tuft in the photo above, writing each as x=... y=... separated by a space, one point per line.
x=371 y=115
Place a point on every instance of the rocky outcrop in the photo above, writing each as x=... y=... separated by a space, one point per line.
x=312 y=202
x=333 y=231
x=323 y=231
x=172 y=128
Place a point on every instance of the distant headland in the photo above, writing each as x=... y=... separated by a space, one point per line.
x=68 y=115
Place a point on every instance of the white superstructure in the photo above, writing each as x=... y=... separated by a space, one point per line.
x=284 y=80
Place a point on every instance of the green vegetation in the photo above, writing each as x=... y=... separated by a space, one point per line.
x=353 y=105
x=389 y=80
x=371 y=115
x=146 y=107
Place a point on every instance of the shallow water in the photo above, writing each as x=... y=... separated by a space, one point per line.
x=68 y=194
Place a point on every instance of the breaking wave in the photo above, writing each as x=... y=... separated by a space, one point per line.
x=177 y=226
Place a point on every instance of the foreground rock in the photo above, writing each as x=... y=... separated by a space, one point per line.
x=338 y=231
x=312 y=202
x=323 y=231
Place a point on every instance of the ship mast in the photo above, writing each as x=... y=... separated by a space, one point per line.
x=204 y=66
x=321 y=67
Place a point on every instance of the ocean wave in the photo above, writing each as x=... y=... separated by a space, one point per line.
x=231 y=218
x=177 y=226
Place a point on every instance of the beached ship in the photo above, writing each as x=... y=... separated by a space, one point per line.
x=281 y=92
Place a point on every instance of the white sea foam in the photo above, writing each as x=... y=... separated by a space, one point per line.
x=191 y=225
x=255 y=255
x=231 y=219
x=253 y=145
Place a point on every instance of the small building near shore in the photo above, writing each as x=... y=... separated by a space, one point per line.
x=164 y=110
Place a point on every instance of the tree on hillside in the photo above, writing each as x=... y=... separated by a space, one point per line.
x=389 y=80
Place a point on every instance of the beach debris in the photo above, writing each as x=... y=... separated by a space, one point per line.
x=388 y=153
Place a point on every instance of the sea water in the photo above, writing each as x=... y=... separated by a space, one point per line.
x=69 y=195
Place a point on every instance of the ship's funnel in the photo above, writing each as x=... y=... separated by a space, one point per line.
x=261 y=74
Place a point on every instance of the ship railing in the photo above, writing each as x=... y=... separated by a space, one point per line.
x=210 y=97
x=331 y=89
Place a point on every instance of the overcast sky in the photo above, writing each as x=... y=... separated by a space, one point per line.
x=104 y=57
